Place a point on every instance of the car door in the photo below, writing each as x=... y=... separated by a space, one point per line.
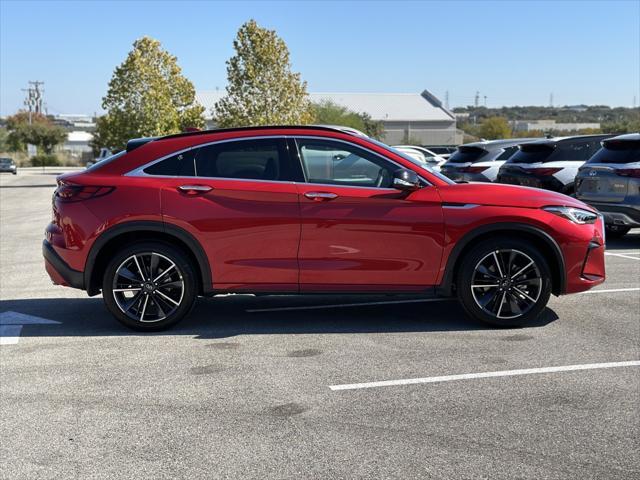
x=358 y=233
x=239 y=199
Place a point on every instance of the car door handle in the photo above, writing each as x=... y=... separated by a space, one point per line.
x=195 y=189
x=320 y=196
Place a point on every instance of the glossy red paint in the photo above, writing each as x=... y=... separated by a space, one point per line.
x=268 y=236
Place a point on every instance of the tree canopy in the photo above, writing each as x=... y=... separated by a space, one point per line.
x=262 y=89
x=494 y=128
x=41 y=132
x=330 y=113
x=147 y=96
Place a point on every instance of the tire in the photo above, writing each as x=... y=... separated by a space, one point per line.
x=616 y=231
x=517 y=298
x=157 y=304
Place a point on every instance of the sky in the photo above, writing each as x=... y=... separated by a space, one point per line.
x=512 y=52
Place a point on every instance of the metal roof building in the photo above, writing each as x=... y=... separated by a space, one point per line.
x=418 y=118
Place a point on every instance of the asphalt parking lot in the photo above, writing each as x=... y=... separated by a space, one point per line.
x=242 y=389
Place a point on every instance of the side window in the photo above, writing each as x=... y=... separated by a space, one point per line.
x=508 y=152
x=337 y=163
x=264 y=159
x=181 y=164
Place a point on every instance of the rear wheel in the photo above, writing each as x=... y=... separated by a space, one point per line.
x=504 y=282
x=616 y=231
x=149 y=286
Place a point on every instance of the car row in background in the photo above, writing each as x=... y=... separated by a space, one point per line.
x=602 y=170
x=8 y=165
x=424 y=155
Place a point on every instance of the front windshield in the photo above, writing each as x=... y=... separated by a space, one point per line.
x=420 y=164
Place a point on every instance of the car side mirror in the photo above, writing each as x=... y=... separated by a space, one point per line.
x=406 y=180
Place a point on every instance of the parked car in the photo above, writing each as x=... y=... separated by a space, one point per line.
x=308 y=210
x=8 y=165
x=480 y=161
x=444 y=151
x=610 y=181
x=432 y=159
x=550 y=163
x=104 y=153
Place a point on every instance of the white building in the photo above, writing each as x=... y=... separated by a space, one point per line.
x=551 y=125
x=415 y=117
x=77 y=143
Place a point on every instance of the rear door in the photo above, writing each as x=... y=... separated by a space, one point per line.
x=358 y=233
x=239 y=199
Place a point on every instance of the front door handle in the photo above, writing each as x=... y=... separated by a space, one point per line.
x=320 y=196
x=195 y=189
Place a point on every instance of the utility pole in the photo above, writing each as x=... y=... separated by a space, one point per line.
x=34 y=98
x=446 y=100
x=551 y=100
x=476 y=100
x=485 y=101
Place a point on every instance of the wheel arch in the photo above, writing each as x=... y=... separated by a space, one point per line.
x=545 y=242
x=110 y=240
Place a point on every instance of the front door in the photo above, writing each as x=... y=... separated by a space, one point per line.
x=358 y=233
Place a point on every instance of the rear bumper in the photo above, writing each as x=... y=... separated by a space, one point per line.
x=527 y=180
x=58 y=270
x=617 y=214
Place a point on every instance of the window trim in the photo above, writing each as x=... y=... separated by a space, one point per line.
x=296 y=161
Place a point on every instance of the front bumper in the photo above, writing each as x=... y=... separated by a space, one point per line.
x=617 y=214
x=58 y=270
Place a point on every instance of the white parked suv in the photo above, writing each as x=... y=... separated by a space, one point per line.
x=480 y=161
x=551 y=164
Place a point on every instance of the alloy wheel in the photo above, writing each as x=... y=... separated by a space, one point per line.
x=506 y=283
x=148 y=287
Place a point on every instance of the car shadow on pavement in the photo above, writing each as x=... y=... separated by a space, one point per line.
x=229 y=316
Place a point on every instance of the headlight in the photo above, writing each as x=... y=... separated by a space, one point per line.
x=576 y=215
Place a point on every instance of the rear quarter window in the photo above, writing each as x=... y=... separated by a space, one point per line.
x=179 y=165
x=468 y=155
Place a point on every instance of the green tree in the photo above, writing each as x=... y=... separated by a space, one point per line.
x=41 y=132
x=262 y=89
x=330 y=113
x=147 y=96
x=494 y=128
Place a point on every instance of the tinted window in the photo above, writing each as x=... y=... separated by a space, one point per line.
x=618 y=152
x=264 y=159
x=468 y=155
x=508 y=153
x=577 y=150
x=181 y=164
x=339 y=163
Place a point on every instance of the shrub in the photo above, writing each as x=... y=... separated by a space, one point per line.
x=45 y=160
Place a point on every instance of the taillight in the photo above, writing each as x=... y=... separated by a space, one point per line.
x=76 y=193
x=544 y=172
x=628 y=172
x=473 y=169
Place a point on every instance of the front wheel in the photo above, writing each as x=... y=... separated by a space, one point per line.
x=149 y=286
x=504 y=282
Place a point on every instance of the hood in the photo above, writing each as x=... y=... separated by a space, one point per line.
x=506 y=196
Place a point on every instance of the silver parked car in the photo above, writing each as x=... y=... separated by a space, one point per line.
x=480 y=161
x=610 y=181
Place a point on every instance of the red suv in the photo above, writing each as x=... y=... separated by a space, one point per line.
x=295 y=210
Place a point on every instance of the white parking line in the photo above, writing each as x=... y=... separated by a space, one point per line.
x=471 y=376
x=344 y=305
x=622 y=255
x=611 y=290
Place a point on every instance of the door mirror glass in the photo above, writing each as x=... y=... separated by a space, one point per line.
x=407 y=180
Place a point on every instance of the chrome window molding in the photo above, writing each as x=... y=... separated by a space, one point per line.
x=139 y=172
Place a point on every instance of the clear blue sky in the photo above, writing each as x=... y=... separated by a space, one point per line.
x=514 y=52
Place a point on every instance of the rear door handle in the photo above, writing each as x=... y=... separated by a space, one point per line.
x=195 y=189
x=320 y=196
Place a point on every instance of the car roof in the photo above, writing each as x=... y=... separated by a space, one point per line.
x=496 y=144
x=558 y=140
x=627 y=137
x=138 y=142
